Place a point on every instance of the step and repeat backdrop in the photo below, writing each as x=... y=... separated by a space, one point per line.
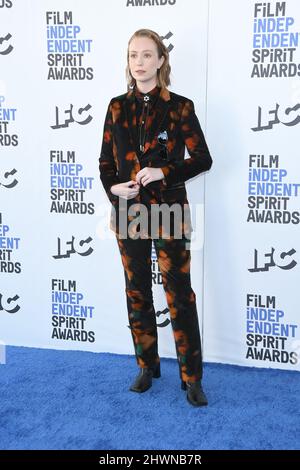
x=61 y=278
x=252 y=234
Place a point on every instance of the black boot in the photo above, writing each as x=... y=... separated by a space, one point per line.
x=144 y=379
x=195 y=394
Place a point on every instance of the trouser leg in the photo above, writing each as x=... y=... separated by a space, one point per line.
x=136 y=259
x=174 y=263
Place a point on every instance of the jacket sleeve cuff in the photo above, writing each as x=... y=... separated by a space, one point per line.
x=112 y=197
x=168 y=172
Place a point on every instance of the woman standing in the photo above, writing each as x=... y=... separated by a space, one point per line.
x=142 y=167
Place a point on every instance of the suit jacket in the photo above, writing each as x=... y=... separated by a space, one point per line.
x=173 y=126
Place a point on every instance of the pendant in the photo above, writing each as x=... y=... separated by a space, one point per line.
x=146 y=98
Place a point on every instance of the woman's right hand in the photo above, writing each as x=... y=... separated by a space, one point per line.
x=127 y=190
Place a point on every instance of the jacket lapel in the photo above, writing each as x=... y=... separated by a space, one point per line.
x=130 y=116
x=160 y=111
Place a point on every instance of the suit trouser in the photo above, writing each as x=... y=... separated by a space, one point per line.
x=174 y=264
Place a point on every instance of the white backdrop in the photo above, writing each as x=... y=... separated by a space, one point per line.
x=233 y=280
x=49 y=124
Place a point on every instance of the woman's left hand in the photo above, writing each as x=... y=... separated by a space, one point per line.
x=149 y=174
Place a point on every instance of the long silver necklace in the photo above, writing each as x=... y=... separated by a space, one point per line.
x=143 y=125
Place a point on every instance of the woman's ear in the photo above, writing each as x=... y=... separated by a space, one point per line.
x=161 y=61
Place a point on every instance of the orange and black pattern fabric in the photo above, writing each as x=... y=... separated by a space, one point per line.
x=174 y=116
x=174 y=263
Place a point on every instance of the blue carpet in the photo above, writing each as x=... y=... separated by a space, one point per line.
x=80 y=400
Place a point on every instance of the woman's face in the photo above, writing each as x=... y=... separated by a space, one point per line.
x=143 y=59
